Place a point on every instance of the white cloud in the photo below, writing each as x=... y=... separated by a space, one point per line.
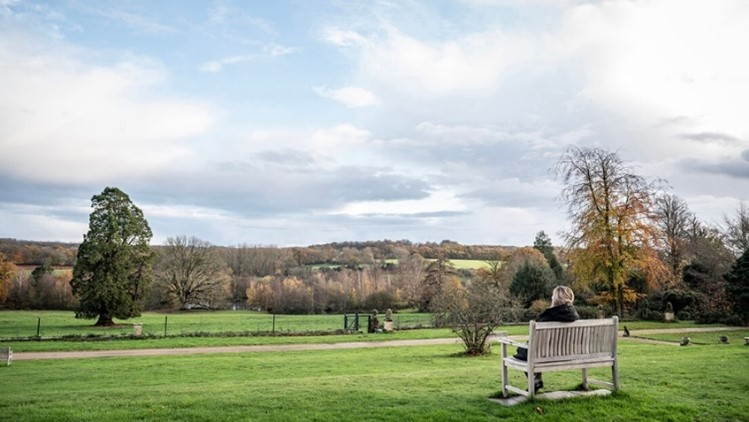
x=268 y=50
x=342 y=38
x=666 y=60
x=350 y=96
x=473 y=63
x=84 y=122
x=35 y=223
x=135 y=20
x=439 y=201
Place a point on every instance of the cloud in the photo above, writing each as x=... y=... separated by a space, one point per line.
x=734 y=168
x=711 y=137
x=656 y=60
x=350 y=96
x=267 y=51
x=86 y=123
x=472 y=63
x=134 y=20
x=342 y=38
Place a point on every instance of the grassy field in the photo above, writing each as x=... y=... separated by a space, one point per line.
x=15 y=324
x=425 y=383
x=189 y=330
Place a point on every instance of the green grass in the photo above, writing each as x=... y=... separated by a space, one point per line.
x=734 y=336
x=180 y=341
x=426 y=383
x=17 y=324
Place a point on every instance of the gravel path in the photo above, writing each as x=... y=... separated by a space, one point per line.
x=321 y=346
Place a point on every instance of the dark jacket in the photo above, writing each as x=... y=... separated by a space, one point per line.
x=561 y=313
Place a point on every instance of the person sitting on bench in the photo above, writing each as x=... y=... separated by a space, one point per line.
x=561 y=310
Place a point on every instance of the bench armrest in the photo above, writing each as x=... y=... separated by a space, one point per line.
x=511 y=342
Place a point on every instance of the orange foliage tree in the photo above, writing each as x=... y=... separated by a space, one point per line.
x=7 y=269
x=612 y=231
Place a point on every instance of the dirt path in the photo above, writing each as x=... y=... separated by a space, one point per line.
x=296 y=347
x=228 y=349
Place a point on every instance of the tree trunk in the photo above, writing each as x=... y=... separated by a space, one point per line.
x=104 y=321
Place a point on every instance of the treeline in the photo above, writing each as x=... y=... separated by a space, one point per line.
x=335 y=277
x=268 y=259
x=26 y=252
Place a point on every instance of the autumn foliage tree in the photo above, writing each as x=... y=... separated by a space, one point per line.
x=112 y=274
x=610 y=209
x=7 y=269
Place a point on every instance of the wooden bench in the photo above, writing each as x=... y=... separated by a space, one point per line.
x=6 y=355
x=561 y=346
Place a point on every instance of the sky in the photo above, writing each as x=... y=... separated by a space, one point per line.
x=299 y=122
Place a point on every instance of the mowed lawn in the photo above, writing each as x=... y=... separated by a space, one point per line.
x=425 y=383
x=51 y=324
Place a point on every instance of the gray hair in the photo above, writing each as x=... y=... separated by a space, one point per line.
x=562 y=295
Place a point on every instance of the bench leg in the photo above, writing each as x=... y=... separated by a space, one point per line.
x=531 y=383
x=505 y=394
x=615 y=374
x=585 y=379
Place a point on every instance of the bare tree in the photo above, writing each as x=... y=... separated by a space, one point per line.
x=191 y=271
x=737 y=230
x=472 y=312
x=673 y=220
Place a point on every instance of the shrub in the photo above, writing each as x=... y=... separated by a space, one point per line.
x=587 y=312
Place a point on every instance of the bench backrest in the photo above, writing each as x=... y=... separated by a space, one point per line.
x=582 y=339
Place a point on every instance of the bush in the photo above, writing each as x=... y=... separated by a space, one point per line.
x=717 y=317
x=539 y=306
x=379 y=300
x=656 y=316
x=587 y=312
x=684 y=315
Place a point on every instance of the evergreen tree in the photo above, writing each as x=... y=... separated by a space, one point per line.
x=738 y=286
x=542 y=243
x=532 y=282
x=112 y=273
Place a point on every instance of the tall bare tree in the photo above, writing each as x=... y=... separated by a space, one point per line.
x=673 y=220
x=191 y=270
x=610 y=210
x=737 y=230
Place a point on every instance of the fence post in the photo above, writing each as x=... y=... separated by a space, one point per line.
x=356 y=321
x=274 y=324
x=38 y=326
x=165 y=317
x=345 y=322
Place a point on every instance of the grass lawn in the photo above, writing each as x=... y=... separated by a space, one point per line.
x=734 y=336
x=425 y=383
x=17 y=324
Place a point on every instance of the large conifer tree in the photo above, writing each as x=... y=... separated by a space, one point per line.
x=112 y=273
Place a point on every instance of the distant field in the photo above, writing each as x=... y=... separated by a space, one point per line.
x=467 y=264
